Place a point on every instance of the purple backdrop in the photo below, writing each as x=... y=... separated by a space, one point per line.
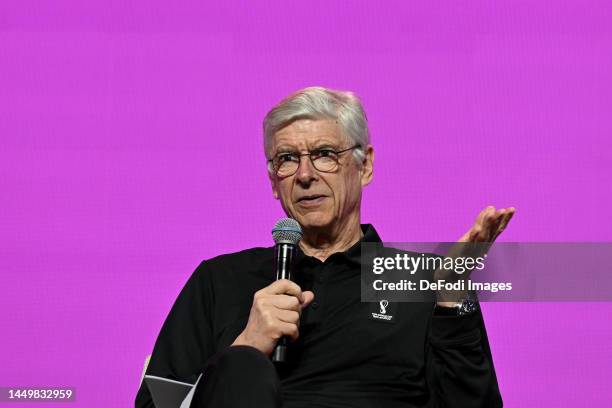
x=130 y=140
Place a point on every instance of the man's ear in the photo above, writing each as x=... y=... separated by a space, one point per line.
x=367 y=166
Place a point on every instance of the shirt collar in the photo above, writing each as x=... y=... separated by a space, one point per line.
x=351 y=255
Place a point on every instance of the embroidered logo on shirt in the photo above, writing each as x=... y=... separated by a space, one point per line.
x=382 y=315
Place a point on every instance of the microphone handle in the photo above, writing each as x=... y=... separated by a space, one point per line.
x=283 y=260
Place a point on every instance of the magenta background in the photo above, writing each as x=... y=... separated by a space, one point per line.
x=131 y=150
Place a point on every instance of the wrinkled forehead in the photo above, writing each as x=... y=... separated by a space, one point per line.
x=308 y=134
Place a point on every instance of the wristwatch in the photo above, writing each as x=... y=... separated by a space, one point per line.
x=461 y=308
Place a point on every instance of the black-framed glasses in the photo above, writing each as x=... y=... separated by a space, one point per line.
x=324 y=160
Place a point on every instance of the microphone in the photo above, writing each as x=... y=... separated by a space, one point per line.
x=286 y=234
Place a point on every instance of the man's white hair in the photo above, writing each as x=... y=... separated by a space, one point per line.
x=321 y=103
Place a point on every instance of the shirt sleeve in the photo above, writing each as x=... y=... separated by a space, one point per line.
x=185 y=341
x=460 y=370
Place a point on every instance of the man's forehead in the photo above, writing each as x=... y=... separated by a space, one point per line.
x=309 y=131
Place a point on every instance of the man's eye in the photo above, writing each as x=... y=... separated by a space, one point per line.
x=325 y=153
x=287 y=157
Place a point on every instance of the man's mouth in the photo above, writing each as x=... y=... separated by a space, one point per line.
x=311 y=199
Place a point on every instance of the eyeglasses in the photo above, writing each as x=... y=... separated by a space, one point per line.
x=324 y=160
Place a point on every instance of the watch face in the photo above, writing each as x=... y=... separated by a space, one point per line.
x=467 y=306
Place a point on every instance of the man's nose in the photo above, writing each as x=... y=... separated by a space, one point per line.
x=306 y=172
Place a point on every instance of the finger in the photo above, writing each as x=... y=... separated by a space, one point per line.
x=482 y=225
x=285 y=302
x=494 y=217
x=288 y=316
x=484 y=214
x=500 y=226
x=506 y=219
x=308 y=298
x=499 y=215
x=289 y=330
x=494 y=223
x=290 y=303
x=284 y=286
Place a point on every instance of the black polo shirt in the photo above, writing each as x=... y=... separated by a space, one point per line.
x=344 y=357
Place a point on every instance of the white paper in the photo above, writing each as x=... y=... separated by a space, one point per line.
x=168 y=393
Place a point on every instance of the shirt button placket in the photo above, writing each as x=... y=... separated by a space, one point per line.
x=319 y=291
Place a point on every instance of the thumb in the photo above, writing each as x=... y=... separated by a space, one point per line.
x=308 y=297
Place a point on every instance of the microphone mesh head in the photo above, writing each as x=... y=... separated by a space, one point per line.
x=287 y=231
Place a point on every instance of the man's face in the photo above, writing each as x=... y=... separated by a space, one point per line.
x=319 y=200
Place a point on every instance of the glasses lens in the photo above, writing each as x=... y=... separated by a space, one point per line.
x=286 y=164
x=325 y=163
x=325 y=160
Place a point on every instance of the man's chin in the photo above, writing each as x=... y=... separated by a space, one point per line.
x=314 y=222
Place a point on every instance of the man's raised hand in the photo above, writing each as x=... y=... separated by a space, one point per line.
x=488 y=225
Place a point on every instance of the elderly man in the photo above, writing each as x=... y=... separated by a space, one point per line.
x=232 y=312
